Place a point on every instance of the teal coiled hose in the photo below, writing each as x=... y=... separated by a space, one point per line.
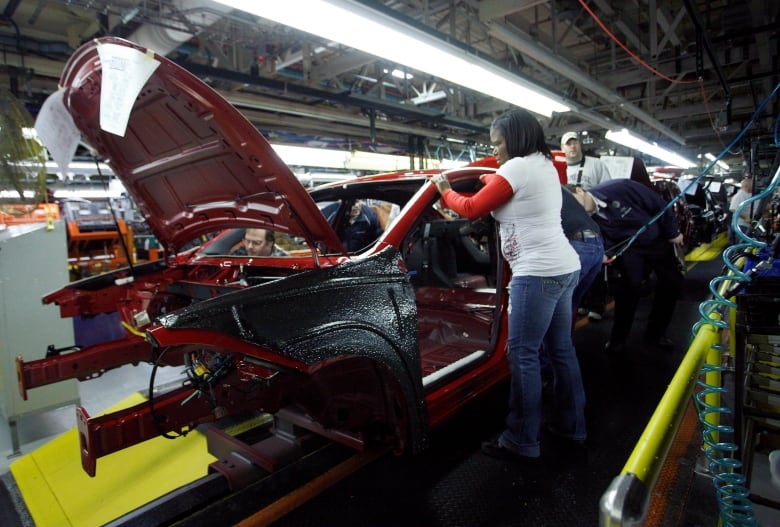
x=734 y=504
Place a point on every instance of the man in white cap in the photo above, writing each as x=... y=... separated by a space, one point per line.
x=583 y=171
x=586 y=172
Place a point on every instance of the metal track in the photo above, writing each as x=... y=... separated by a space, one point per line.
x=253 y=483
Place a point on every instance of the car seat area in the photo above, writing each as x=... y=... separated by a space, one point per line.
x=449 y=253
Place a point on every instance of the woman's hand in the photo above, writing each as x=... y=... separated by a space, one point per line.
x=441 y=182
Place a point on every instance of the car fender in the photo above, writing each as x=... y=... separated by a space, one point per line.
x=364 y=307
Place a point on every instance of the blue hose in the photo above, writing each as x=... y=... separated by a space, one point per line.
x=734 y=504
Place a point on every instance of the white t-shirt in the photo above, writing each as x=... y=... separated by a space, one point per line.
x=594 y=171
x=532 y=239
x=736 y=200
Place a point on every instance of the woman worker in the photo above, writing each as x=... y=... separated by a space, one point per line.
x=524 y=196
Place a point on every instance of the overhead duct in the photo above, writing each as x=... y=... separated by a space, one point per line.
x=164 y=39
x=511 y=38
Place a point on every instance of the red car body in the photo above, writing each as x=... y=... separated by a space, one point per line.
x=375 y=346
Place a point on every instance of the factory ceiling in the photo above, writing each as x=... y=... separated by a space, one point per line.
x=687 y=74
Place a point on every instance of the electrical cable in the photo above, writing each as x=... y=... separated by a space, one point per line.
x=633 y=55
x=647 y=66
x=696 y=180
x=776 y=135
x=155 y=420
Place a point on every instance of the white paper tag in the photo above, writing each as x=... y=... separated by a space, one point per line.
x=57 y=130
x=125 y=71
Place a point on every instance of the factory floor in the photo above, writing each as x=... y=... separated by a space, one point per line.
x=454 y=484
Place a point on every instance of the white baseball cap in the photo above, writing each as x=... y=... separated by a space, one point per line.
x=569 y=135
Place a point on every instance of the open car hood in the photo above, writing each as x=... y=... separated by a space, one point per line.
x=191 y=162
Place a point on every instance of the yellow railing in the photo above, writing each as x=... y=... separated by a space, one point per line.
x=626 y=500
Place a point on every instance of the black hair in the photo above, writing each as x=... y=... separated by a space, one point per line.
x=270 y=236
x=522 y=133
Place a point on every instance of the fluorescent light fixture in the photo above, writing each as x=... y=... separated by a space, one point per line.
x=305 y=156
x=377 y=162
x=625 y=138
x=722 y=164
x=358 y=26
x=311 y=157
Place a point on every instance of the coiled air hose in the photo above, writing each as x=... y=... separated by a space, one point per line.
x=734 y=504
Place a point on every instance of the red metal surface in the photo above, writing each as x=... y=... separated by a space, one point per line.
x=190 y=160
x=334 y=337
x=177 y=411
x=87 y=363
x=117 y=291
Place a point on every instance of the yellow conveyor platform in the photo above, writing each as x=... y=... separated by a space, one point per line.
x=58 y=493
x=707 y=251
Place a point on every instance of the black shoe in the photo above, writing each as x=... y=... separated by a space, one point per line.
x=493 y=449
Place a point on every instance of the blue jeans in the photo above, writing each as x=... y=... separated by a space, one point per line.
x=591 y=253
x=540 y=312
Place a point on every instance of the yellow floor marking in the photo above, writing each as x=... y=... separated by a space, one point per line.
x=707 y=251
x=58 y=492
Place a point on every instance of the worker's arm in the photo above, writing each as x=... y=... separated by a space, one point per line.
x=495 y=193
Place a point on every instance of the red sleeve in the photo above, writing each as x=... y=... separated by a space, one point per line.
x=495 y=193
x=559 y=161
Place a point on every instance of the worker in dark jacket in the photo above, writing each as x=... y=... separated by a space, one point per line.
x=623 y=209
x=585 y=237
x=359 y=228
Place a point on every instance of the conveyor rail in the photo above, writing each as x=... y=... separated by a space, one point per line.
x=249 y=478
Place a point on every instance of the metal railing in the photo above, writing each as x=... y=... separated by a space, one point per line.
x=625 y=502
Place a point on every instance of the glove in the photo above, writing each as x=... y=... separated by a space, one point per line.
x=441 y=182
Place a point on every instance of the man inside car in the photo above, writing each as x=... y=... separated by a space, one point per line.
x=359 y=227
x=259 y=242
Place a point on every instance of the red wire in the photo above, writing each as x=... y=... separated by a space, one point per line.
x=655 y=71
x=625 y=48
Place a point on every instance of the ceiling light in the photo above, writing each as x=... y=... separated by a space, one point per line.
x=377 y=162
x=304 y=156
x=311 y=157
x=360 y=27
x=625 y=138
x=722 y=164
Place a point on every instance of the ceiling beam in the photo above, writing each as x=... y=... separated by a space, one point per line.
x=246 y=102
x=491 y=9
x=10 y=9
x=621 y=24
x=341 y=64
x=514 y=38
